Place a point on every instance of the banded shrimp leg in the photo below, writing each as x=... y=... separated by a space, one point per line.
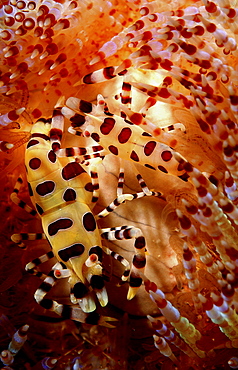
x=73 y=312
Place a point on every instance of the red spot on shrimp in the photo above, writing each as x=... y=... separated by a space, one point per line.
x=94 y=136
x=162 y=169
x=149 y=147
x=69 y=195
x=32 y=143
x=89 y=222
x=124 y=135
x=149 y=166
x=52 y=156
x=134 y=156
x=166 y=155
x=113 y=149
x=72 y=170
x=72 y=251
x=60 y=224
x=45 y=188
x=34 y=163
x=89 y=187
x=107 y=126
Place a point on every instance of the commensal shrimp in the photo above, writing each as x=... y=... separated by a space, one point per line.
x=121 y=137
x=63 y=196
x=129 y=141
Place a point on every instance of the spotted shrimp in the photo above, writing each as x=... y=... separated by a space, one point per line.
x=63 y=196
